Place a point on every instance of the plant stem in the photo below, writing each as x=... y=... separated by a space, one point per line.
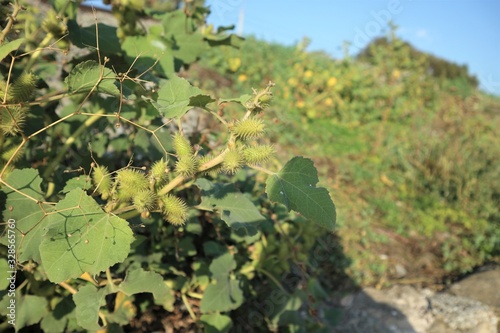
x=38 y=51
x=10 y=21
x=64 y=149
x=110 y=280
x=258 y=168
x=272 y=278
x=68 y=287
x=188 y=307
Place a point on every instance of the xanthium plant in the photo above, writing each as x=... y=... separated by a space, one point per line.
x=150 y=192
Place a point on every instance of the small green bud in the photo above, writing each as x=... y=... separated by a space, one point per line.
x=159 y=171
x=102 y=181
x=258 y=154
x=187 y=166
x=144 y=200
x=23 y=89
x=233 y=160
x=130 y=182
x=174 y=210
x=182 y=146
x=248 y=129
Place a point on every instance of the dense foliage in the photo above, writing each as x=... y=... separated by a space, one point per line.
x=118 y=207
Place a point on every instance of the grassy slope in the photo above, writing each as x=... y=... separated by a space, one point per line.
x=409 y=159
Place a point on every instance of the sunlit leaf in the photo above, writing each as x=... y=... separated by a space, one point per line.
x=91 y=76
x=295 y=187
x=83 y=238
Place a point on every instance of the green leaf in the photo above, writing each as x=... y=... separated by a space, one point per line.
x=7 y=48
x=141 y=281
x=234 y=207
x=216 y=323
x=30 y=310
x=91 y=76
x=146 y=50
x=85 y=37
x=241 y=100
x=57 y=320
x=222 y=266
x=83 y=238
x=226 y=294
x=27 y=214
x=177 y=96
x=81 y=182
x=295 y=187
x=187 y=43
x=88 y=301
x=4 y=268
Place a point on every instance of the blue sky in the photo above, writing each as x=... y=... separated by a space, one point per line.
x=463 y=31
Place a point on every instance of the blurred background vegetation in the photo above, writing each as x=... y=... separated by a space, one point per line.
x=405 y=141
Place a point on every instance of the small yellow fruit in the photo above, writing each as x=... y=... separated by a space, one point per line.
x=242 y=77
x=293 y=82
x=329 y=101
x=331 y=81
x=234 y=64
x=308 y=74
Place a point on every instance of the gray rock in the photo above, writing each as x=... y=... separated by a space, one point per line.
x=462 y=315
x=483 y=287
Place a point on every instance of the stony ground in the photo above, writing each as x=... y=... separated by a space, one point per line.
x=471 y=305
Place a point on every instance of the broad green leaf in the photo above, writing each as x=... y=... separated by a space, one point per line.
x=226 y=294
x=146 y=50
x=7 y=48
x=28 y=215
x=141 y=281
x=295 y=187
x=177 y=96
x=30 y=310
x=216 y=323
x=189 y=47
x=81 y=182
x=83 y=238
x=91 y=76
x=222 y=266
x=187 y=43
x=233 y=206
x=88 y=301
x=57 y=320
x=85 y=37
x=4 y=268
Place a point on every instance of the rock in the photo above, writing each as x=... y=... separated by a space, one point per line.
x=461 y=315
x=401 y=309
x=483 y=287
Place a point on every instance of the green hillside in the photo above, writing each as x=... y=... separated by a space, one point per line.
x=405 y=141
